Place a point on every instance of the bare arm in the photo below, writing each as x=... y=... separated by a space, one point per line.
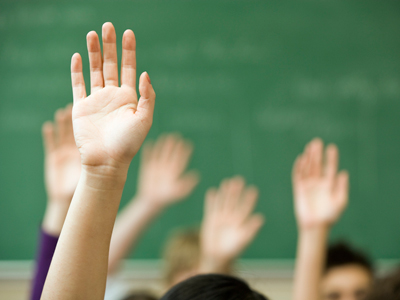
x=102 y=122
x=229 y=224
x=320 y=196
x=163 y=181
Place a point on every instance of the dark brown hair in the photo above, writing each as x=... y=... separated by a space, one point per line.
x=342 y=254
x=212 y=287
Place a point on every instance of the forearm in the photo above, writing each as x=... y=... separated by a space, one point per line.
x=310 y=262
x=54 y=217
x=130 y=224
x=79 y=266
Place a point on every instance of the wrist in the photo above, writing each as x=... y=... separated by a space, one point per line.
x=151 y=202
x=147 y=205
x=210 y=264
x=314 y=227
x=104 y=178
x=314 y=235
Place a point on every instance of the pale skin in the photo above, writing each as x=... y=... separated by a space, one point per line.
x=320 y=197
x=229 y=224
x=62 y=169
x=102 y=123
x=163 y=181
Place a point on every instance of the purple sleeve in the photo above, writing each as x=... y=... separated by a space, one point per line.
x=47 y=246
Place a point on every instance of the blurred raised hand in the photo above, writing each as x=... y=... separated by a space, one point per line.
x=163 y=178
x=320 y=196
x=229 y=224
x=110 y=124
x=62 y=168
x=320 y=191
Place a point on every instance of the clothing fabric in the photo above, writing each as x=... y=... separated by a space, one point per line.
x=116 y=287
x=46 y=248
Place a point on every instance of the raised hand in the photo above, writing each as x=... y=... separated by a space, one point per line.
x=62 y=158
x=320 y=192
x=163 y=179
x=229 y=224
x=62 y=168
x=110 y=124
x=109 y=128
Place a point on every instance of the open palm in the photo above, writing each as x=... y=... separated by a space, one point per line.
x=163 y=178
x=62 y=159
x=229 y=224
x=320 y=192
x=110 y=125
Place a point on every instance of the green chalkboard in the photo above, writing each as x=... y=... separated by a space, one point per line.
x=249 y=82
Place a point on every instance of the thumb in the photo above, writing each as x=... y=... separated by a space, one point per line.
x=188 y=182
x=253 y=226
x=147 y=98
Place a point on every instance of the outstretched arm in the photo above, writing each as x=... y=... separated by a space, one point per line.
x=163 y=181
x=109 y=128
x=62 y=170
x=229 y=224
x=320 y=196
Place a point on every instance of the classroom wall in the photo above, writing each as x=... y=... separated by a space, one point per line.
x=249 y=82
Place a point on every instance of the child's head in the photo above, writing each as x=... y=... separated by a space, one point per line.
x=182 y=256
x=212 y=287
x=348 y=274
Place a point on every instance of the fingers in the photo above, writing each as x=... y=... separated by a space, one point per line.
x=167 y=148
x=69 y=130
x=306 y=157
x=106 y=72
x=232 y=195
x=48 y=134
x=78 y=83
x=220 y=197
x=59 y=132
x=146 y=153
x=147 y=98
x=180 y=156
x=248 y=203
x=316 y=154
x=128 y=63
x=158 y=147
x=342 y=189
x=297 y=168
x=253 y=225
x=60 y=123
x=188 y=182
x=332 y=158
x=95 y=60
x=210 y=203
x=110 y=63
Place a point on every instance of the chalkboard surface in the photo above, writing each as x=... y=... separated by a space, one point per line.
x=249 y=82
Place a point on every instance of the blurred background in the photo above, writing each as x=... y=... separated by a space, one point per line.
x=248 y=82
